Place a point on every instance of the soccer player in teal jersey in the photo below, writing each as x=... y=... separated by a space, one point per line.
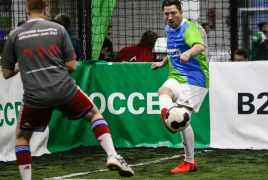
x=187 y=84
x=258 y=38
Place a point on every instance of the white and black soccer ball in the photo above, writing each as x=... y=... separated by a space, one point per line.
x=177 y=118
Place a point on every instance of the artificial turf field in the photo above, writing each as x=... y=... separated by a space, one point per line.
x=148 y=163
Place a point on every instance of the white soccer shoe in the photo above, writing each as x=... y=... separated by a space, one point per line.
x=117 y=163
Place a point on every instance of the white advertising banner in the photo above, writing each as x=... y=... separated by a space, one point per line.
x=238 y=109
x=239 y=105
x=11 y=94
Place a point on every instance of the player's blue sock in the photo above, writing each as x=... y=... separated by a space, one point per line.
x=102 y=133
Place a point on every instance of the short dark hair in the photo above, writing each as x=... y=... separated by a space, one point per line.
x=55 y=21
x=36 y=6
x=64 y=19
x=204 y=25
x=107 y=43
x=21 y=22
x=177 y=3
x=242 y=52
x=2 y=44
x=261 y=24
x=149 y=37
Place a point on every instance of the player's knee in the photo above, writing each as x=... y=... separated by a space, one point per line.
x=162 y=90
x=165 y=90
x=23 y=140
x=92 y=115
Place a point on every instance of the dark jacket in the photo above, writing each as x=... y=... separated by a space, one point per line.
x=262 y=52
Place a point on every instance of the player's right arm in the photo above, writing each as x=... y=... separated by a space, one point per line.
x=9 y=60
x=10 y=73
x=161 y=64
x=71 y=66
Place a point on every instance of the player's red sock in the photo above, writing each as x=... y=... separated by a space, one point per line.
x=102 y=133
x=100 y=127
x=163 y=114
x=24 y=159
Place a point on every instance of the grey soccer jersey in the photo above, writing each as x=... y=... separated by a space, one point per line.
x=41 y=48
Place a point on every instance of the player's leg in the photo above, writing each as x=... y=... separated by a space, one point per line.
x=190 y=96
x=23 y=153
x=82 y=107
x=189 y=164
x=101 y=131
x=29 y=120
x=166 y=95
x=188 y=142
x=170 y=91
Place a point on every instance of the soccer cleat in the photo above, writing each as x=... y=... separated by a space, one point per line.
x=117 y=163
x=184 y=167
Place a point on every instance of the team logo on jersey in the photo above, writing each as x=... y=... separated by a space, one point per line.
x=26 y=124
x=174 y=52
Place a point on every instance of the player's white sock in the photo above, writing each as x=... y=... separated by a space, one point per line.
x=102 y=133
x=188 y=141
x=165 y=103
x=25 y=171
x=106 y=143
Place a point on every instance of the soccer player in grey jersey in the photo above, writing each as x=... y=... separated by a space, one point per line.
x=43 y=54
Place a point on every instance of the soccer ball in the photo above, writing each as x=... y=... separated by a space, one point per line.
x=177 y=118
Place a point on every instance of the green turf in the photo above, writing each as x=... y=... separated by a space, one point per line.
x=211 y=164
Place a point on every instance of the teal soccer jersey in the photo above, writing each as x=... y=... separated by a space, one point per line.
x=258 y=38
x=195 y=71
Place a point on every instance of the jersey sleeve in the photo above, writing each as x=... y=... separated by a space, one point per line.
x=192 y=35
x=255 y=38
x=67 y=48
x=9 y=56
x=119 y=57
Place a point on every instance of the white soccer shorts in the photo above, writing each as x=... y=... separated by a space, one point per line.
x=187 y=95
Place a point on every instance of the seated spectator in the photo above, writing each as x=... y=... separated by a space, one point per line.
x=141 y=52
x=109 y=31
x=2 y=35
x=21 y=22
x=66 y=22
x=2 y=43
x=206 y=27
x=106 y=50
x=241 y=55
x=262 y=52
x=55 y=21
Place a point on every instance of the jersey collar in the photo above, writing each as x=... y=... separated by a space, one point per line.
x=38 y=19
x=183 y=21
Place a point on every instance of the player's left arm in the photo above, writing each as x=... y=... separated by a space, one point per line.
x=71 y=66
x=68 y=53
x=196 y=49
x=194 y=40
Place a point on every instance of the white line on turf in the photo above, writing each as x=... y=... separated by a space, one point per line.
x=132 y=165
